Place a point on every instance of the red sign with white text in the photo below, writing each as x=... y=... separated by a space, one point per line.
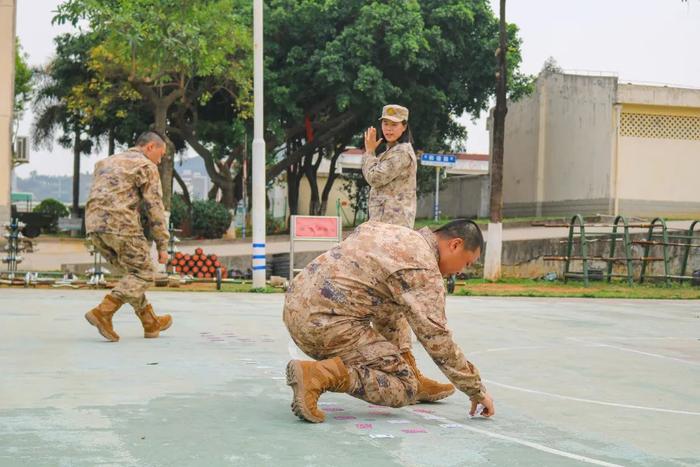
x=316 y=227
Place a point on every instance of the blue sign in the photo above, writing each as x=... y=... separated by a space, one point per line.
x=440 y=160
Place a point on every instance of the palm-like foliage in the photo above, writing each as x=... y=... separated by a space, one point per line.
x=54 y=117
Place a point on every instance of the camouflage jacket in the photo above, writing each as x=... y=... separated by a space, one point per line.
x=380 y=269
x=392 y=178
x=122 y=186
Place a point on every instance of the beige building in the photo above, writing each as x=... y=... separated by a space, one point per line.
x=7 y=82
x=591 y=144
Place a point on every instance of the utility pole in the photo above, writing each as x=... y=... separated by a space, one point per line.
x=258 y=163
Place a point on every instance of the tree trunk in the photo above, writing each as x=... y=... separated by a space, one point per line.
x=75 y=208
x=294 y=175
x=166 y=164
x=183 y=187
x=492 y=263
x=213 y=192
x=499 y=120
x=228 y=198
x=311 y=173
x=111 y=142
x=330 y=181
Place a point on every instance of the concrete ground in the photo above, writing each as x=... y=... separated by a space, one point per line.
x=51 y=252
x=575 y=382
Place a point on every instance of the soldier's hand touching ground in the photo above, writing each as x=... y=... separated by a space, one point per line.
x=487 y=402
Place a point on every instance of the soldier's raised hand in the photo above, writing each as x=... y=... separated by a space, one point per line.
x=371 y=142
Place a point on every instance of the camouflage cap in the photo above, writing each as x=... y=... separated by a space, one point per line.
x=395 y=113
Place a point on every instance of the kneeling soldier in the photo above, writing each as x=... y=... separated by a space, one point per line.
x=379 y=274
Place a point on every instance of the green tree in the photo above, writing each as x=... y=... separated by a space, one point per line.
x=333 y=64
x=53 y=113
x=53 y=208
x=23 y=82
x=209 y=219
x=169 y=51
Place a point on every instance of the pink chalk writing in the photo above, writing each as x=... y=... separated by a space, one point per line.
x=414 y=430
x=364 y=426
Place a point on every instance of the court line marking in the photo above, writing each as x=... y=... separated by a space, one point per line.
x=591 y=401
x=541 y=447
x=625 y=349
x=526 y=347
x=523 y=442
x=636 y=338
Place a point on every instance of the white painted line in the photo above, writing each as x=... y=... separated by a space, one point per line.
x=666 y=357
x=643 y=338
x=530 y=444
x=541 y=447
x=625 y=349
x=591 y=401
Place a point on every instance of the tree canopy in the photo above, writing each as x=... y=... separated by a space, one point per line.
x=332 y=65
x=170 y=51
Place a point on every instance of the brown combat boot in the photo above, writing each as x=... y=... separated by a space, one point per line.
x=153 y=324
x=428 y=390
x=101 y=317
x=309 y=379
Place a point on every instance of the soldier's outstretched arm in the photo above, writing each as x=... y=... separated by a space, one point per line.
x=152 y=193
x=379 y=173
x=422 y=292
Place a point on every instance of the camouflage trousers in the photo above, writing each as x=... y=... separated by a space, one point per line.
x=378 y=373
x=396 y=330
x=133 y=255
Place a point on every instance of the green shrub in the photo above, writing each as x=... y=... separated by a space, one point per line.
x=209 y=219
x=53 y=208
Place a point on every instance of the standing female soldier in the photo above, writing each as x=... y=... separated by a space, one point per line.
x=392 y=200
x=392 y=174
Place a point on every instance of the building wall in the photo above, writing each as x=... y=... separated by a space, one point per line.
x=337 y=193
x=659 y=156
x=520 y=151
x=579 y=137
x=559 y=145
x=462 y=197
x=7 y=79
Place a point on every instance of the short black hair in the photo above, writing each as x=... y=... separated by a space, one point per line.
x=465 y=229
x=150 y=136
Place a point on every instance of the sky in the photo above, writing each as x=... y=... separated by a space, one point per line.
x=644 y=41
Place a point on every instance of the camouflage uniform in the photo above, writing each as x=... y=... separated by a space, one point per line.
x=392 y=199
x=392 y=178
x=379 y=274
x=124 y=184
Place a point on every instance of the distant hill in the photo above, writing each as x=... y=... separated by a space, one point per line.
x=61 y=187
x=57 y=187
